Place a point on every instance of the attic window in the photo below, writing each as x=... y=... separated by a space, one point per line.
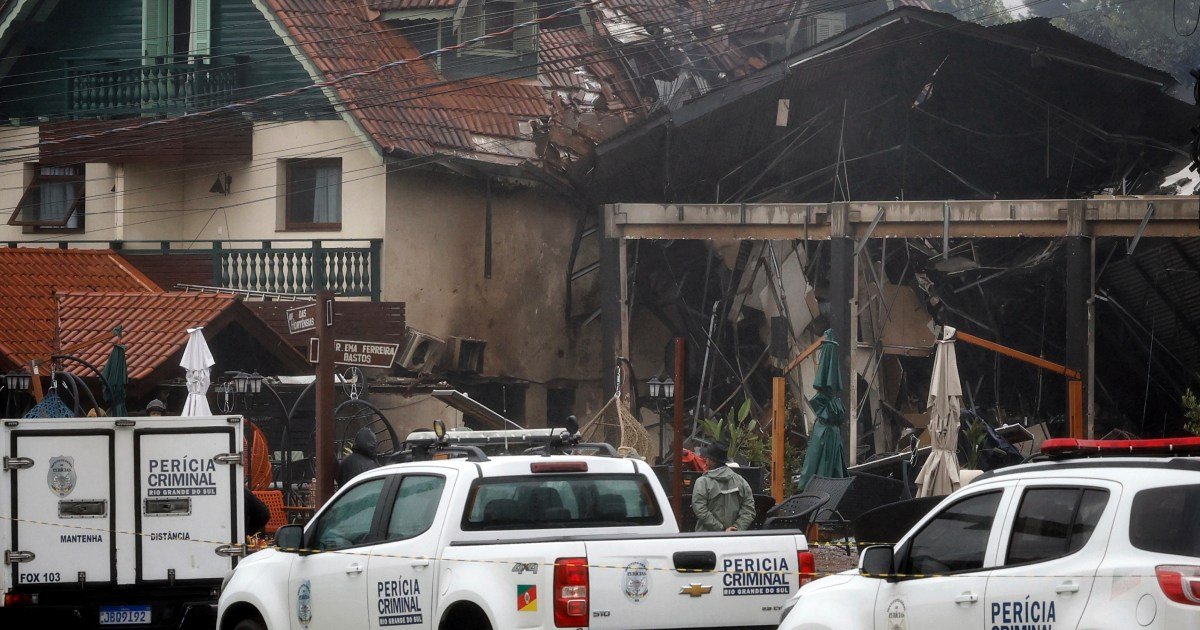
x=483 y=17
x=53 y=199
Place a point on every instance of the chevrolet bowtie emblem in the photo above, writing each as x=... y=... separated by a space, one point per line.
x=695 y=590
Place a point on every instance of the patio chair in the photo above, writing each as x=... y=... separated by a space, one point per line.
x=887 y=523
x=830 y=517
x=796 y=511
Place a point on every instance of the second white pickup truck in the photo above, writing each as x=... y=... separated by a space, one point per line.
x=478 y=543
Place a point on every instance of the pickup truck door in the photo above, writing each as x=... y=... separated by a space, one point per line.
x=708 y=580
x=329 y=590
x=946 y=567
x=1053 y=544
x=403 y=569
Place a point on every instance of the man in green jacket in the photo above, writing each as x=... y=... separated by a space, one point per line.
x=721 y=498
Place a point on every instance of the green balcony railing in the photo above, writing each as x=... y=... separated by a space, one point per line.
x=262 y=268
x=156 y=86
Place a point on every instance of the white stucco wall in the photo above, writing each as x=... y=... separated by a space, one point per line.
x=149 y=201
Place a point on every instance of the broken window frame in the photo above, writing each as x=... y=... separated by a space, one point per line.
x=474 y=22
x=31 y=202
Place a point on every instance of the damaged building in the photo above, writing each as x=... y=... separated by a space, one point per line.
x=459 y=154
x=913 y=172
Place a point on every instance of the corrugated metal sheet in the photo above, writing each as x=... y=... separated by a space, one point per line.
x=1160 y=287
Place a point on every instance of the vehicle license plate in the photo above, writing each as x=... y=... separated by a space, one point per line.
x=124 y=615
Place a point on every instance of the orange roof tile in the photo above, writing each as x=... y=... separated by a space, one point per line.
x=31 y=278
x=154 y=324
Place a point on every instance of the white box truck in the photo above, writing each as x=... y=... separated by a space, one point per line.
x=119 y=521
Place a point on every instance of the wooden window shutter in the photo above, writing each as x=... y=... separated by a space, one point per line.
x=472 y=22
x=827 y=25
x=525 y=38
x=155 y=29
x=201 y=28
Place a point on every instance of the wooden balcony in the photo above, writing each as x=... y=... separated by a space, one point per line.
x=209 y=138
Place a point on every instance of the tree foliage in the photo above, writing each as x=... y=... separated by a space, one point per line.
x=1158 y=33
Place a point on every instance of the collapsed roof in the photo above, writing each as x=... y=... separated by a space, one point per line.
x=913 y=105
x=599 y=67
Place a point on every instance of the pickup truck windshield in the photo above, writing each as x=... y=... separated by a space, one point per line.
x=557 y=501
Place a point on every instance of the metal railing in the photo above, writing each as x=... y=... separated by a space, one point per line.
x=152 y=85
x=348 y=267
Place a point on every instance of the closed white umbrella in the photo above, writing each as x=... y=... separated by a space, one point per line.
x=197 y=361
x=939 y=476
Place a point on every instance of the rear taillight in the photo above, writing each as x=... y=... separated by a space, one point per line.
x=571 y=593
x=1180 y=583
x=808 y=566
x=20 y=599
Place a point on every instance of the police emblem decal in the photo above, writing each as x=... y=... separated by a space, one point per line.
x=897 y=616
x=304 y=603
x=61 y=477
x=636 y=582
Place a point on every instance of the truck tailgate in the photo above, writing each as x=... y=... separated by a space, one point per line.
x=188 y=501
x=704 y=581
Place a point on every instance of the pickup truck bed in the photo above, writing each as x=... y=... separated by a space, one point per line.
x=557 y=541
x=685 y=580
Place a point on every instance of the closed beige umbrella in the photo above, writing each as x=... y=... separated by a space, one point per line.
x=939 y=476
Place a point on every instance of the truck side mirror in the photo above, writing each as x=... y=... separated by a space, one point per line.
x=876 y=562
x=290 y=539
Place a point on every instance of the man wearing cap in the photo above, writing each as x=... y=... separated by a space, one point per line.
x=156 y=407
x=721 y=498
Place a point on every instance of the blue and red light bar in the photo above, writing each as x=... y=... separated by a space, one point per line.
x=1068 y=447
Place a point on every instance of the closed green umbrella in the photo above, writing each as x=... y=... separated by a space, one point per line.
x=824 y=457
x=117 y=379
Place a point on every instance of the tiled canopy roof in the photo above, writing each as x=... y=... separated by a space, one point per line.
x=154 y=325
x=28 y=284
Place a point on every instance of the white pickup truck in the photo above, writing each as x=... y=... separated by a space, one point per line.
x=129 y=522
x=522 y=541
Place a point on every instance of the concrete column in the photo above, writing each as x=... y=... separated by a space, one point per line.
x=1078 y=284
x=610 y=310
x=841 y=292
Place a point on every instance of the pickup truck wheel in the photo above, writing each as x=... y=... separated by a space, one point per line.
x=465 y=617
x=249 y=624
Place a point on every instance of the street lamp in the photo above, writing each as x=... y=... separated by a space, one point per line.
x=18 y=381
x=244 y=383
x=661 y=391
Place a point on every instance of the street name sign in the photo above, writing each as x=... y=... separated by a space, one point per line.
x=358 y=353
x=302 y=319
